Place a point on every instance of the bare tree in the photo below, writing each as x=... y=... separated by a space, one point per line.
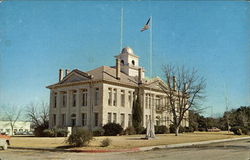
x=38 y=113
x=11 y=114
x=185 y=89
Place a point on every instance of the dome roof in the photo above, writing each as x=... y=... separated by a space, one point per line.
x=127 y=50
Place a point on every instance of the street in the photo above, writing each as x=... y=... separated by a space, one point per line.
x=235 y=150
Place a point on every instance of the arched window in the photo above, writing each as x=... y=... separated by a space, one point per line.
x=133 y=62
x=122 y=62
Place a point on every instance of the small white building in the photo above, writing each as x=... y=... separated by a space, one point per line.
x=106 y=94
x=19 y=126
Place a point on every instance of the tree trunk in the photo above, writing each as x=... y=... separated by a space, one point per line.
x=12 y=129
x=177 y=130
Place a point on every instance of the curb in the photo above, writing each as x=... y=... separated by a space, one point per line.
x=77 y=150
x=182 y=145
x=170 y=146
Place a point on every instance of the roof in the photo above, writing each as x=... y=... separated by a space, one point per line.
x=99 y=74
x=108 y=74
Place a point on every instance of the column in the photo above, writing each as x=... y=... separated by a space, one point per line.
x=68 y=120
x=58 y=109
x=78 y=108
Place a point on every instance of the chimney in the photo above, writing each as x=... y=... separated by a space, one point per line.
x=60 y=74
x=118 y=69
x=140 y=75
x=67 y=72
x=174 y=83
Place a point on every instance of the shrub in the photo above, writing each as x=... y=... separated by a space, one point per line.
x=202 y=129
x=238 y=130
x=188 y=129
x=161 y=129
x=38 y=130
x=172 y=129
x=98 y=131
x=106 y=142
x=55 y=132
x=60 y=132
x=49 y=133
x=81 y=137
x=140 y=130
x=129 y=131
x=112 y=129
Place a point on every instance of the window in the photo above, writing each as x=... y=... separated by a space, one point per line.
x=122 y=98
x=84 y=97
x=133 y=62
x=146 y=119
x=146 y=103
x=63 y=120
x=55 y=100
x=122 y=62
x=122 y=120
x=74 y=99
x=109 y=117
x=54 y=120
x=149 y=101
x=64 y=99
x=114 y=118
x=84 y=119
x=129 y=120
x=110 y=97
x=96 y=96
x=96 y=119
x=73 y=120
x=130 y=98
x=115 y=97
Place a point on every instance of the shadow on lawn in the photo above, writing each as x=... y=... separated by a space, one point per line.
x=136 y=138
x=64 y=147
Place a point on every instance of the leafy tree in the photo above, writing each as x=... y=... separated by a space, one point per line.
x=137 y=115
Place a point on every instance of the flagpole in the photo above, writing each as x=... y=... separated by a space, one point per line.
x=151 y=130
x=121 y=40
x=150 y=45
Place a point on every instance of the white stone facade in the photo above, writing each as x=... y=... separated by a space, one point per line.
x=94 y=98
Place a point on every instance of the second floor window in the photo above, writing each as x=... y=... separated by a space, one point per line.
x=110 y=97
x=74 y=99
x=96 y=96
x=55 y=100
x=122 y=98
x=85 y=97
x=115 y=97
x=64 y=99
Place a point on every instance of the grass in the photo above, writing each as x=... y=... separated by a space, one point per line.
x=122 y=142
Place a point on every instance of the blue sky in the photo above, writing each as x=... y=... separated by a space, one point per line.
x=39 y=37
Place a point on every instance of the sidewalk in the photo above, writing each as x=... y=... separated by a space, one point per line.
x=170 y=146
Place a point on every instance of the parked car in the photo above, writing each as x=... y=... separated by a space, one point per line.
x=4 y=141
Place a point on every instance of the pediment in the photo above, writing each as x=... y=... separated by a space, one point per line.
x=74 y=77
x=157 y=84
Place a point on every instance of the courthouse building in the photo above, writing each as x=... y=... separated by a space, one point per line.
x=94 y=98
